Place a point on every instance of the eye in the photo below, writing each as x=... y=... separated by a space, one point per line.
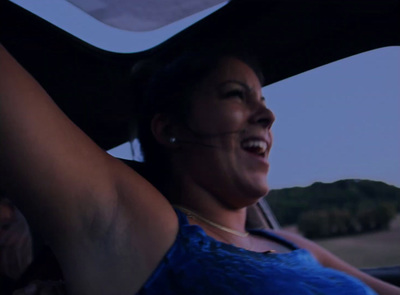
x=236 y=93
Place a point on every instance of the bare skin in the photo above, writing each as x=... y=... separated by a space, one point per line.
x=116 y=226
x=113 y=234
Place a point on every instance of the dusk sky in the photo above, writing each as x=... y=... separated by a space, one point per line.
x=338 y=121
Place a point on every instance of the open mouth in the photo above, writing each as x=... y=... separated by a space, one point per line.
x=255 y=146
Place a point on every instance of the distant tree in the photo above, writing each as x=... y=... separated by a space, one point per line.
x=376 y=217
x=340 y=222
x=314 y=224
x=385 y=212
x=350 y=195
x=333 y=222
x=325 y=223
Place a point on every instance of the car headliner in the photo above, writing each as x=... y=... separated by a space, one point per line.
x=287 y=36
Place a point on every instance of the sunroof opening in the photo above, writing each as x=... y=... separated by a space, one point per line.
x=139 y=15
x=123 y=28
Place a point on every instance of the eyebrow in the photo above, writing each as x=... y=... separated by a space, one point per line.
x=247 y=87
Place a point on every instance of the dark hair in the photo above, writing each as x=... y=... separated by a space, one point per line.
x=168 y=91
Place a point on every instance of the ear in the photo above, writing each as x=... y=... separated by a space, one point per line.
x=163 y=128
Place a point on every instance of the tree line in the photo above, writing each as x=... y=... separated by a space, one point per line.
x=331 y=209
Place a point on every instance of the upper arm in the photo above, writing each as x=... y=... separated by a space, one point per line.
x=101 y=218
x=49 y=163
x=56 y=172
x=328 y=259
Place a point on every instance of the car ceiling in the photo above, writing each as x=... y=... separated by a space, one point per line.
x=287 y=37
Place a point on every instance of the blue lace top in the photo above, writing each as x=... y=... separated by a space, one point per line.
x=199 y=264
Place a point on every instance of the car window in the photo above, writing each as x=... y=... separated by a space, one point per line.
x=335 y=164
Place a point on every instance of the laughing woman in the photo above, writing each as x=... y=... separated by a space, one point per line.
x=205 y=131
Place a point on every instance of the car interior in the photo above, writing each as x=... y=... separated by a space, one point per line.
x=92 y=85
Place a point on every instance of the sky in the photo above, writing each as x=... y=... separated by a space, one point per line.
x=338 y=121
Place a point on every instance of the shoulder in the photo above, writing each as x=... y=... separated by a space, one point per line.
x=325 y=257
x=321 y=254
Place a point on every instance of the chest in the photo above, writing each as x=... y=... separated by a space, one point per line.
x=203 y=267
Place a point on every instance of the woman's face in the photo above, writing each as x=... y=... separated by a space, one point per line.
x=227 y=140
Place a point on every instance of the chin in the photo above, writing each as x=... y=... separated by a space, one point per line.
x=252 y=195
x=262 y=192
x=258 y=189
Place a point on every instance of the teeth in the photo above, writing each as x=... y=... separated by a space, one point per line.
x=257 y=146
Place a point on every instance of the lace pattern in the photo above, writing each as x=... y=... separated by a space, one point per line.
x=199 y=264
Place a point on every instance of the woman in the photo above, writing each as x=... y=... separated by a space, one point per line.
x=205 y=122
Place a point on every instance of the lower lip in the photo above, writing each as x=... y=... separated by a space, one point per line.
x=260 y=158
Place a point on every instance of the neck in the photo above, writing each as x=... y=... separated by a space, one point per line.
x=209 y=206
x=196 y=216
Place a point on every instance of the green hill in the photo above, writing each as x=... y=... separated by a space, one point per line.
x=358 y=201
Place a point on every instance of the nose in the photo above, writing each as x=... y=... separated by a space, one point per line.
x=262 y=116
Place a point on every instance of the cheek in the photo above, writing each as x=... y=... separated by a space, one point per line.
x=217 y=119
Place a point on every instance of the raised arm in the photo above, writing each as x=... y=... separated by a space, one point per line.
x=72 y=191
x=45 y=158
